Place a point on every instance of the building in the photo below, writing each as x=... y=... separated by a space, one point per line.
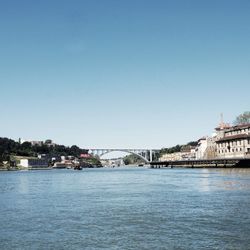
x=206 y=148
x=33 y=163
x=64 y=164
x=233 y=142
x=178 y=156
x=85 y=156
x=201 y=148
x=171 y=157
x=188 y=152
x=38 y=143
x=48 y=142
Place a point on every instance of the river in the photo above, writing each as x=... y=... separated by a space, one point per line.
x=127 y=208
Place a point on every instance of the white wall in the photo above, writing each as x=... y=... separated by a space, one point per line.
x=201 y=149
x=24 y=163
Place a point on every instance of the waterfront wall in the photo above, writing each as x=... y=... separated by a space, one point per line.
x=213 y=163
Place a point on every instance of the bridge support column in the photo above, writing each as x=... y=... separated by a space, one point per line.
x=150 y=155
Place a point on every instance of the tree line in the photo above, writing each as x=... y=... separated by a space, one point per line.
x=178 y=148
x=10 y=147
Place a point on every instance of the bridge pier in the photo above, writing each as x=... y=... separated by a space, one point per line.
x=150 y=155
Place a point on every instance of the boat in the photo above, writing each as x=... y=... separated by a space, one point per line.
x=78 y=168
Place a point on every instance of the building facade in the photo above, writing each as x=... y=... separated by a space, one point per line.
x=201 y=148
x=33 y=163
x=185 y=154
x=233 y=142
x=206 y=148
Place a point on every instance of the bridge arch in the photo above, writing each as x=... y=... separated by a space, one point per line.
x=126 y=151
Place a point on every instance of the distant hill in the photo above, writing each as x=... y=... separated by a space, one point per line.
x=10 y=147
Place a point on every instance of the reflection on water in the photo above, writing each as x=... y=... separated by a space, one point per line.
x=125 y=209
x=23 y=184
x=234 y=179
x=205 y=180
x=224 y=179
x=241 y=172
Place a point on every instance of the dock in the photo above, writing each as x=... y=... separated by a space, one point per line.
x=211 y=163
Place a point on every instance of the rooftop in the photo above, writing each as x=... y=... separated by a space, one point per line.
x=236 y=127
x=234 y=137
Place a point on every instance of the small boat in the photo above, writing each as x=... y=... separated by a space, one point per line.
x=78 y=168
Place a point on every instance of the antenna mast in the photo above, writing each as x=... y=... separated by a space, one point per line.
x=222 y=124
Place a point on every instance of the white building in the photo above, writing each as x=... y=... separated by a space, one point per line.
x=185 y=154
x=172 y=157
x=206 y=148
x=201 y=148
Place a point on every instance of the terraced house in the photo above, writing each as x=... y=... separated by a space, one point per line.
x=233 y=141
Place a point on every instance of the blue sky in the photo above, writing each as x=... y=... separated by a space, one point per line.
x=134 y=73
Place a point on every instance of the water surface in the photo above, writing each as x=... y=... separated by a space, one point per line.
x=135 y=208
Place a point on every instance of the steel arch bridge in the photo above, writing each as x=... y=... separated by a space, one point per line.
x=147 y=155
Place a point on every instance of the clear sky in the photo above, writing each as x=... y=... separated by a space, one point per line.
x=113 y=73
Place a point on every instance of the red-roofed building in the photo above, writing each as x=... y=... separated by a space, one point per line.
x=85 y=156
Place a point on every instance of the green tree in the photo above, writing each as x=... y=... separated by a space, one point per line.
x=193 y=143
x=75 y=151
x=10 y=147
x=132 y=159
x=48 y=141
x=243 y=118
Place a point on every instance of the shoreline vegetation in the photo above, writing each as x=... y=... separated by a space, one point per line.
x=12 y=152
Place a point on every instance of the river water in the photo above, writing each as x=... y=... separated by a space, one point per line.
x=127 y=208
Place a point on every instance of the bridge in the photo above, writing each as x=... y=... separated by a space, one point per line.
x=148 y=155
